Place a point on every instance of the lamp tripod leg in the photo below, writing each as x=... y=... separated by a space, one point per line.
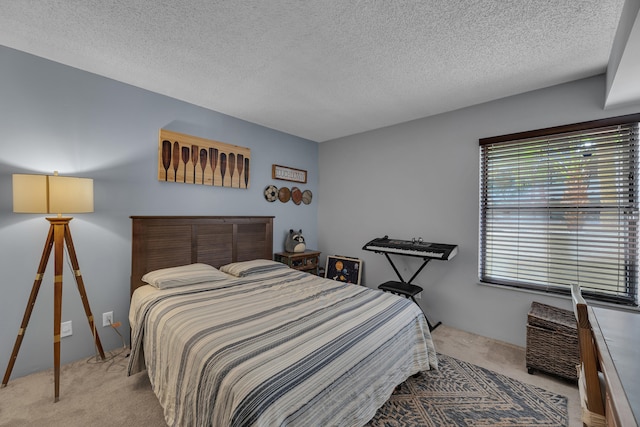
x=81 y=289
x=58 y=258
x=32 y=300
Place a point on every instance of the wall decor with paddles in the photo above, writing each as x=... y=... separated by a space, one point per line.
x=192 y=160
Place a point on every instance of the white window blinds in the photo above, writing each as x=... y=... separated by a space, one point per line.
x=560 y=206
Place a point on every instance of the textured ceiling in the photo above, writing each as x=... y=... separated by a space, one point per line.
x=322 y=69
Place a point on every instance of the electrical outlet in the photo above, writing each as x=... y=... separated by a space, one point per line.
x=66 y=329
x=107 y=318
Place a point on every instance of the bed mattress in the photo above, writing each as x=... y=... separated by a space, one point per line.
x=276 y=348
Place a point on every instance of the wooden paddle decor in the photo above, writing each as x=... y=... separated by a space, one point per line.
x=192 y=160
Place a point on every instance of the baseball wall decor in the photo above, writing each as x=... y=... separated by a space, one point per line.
x=284 y=194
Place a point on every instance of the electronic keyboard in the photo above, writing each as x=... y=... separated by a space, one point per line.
x=415 y=247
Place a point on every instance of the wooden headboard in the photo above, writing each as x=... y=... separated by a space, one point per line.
x=170 y=241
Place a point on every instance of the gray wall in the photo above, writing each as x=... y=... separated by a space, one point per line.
x=54 y=117
x=420 y=179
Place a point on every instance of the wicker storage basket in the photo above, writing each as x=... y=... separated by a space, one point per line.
x=552 y=341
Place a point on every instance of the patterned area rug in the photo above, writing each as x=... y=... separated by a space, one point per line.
x=462 y=394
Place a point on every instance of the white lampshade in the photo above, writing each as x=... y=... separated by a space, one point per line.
x=52 y=194
x=30 y=194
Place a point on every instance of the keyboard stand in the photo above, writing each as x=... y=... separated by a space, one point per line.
x=424 y=264
x=406 y=288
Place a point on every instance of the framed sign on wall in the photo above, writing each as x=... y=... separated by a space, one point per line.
x=289 y=174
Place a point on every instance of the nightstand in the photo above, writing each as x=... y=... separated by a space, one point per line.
x=304 y=261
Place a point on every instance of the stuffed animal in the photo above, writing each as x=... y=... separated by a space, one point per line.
x=294 y=242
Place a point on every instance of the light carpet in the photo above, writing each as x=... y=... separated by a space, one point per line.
x=100 y=394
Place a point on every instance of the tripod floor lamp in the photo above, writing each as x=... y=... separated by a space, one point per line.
x=53 y=194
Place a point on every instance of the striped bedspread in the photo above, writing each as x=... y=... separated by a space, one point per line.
x=276 y=348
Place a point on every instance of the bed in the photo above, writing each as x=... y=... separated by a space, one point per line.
x=230 y=338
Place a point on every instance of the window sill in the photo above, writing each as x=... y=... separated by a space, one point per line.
x=620 y=307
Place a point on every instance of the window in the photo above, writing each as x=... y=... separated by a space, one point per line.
x=560 y=206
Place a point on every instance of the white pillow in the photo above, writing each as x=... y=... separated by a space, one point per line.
x=183 y=275
x=246 y=268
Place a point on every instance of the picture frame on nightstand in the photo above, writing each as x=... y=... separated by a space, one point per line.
x=343 y=269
